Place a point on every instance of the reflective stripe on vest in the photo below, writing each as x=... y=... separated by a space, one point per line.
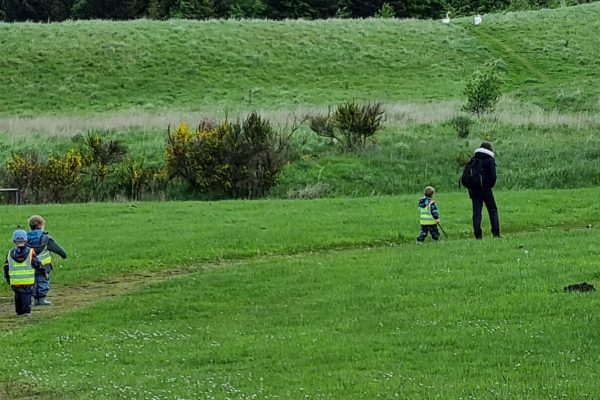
x=21 y=273
x=425 y=217
x=45 y=257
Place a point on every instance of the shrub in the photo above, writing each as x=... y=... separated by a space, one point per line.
x=61 y=176
x=482 y=92
x=135 y=176
x=239 y=159
x=462 y=125
x=24 y=170
x=386 y=11
x=99 y=159
x=351 y=124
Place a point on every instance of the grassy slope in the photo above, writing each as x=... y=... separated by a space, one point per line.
x=216 y=64
x=82 y=67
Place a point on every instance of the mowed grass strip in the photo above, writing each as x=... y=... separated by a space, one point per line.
x=455 y=320
x=107 y=240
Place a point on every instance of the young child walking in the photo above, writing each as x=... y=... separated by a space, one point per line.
x=429 y=216
x=20 y=268
x=44 y=245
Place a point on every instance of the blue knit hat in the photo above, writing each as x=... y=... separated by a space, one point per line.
x=19 y=234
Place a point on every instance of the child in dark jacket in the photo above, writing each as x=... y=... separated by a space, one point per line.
x=20 y=268
x=429 y=216
x=44 y=245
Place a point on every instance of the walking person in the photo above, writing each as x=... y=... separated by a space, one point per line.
x=20 y=267
x=429 y=216
x=479 y=177
x=44 y=245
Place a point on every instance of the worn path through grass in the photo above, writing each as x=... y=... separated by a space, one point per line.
x=69 y=298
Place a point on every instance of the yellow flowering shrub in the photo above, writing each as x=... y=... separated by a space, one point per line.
x=61 y=174
x=239 y=159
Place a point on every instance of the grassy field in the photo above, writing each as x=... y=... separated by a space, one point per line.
x=78 y=68
x=326 y=298
x=158 y=235
x=312 y=299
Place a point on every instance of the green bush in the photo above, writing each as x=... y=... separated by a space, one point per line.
x=482 y=91
x=351 y=124
x=239 y=160
x=101 y=159
x=135 y=177
x=462 y=126
x=386 y=11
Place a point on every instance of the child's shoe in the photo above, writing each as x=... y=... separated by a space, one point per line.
x=42 y=302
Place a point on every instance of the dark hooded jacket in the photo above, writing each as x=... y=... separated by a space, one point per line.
x=488 y=167
x=40 y=240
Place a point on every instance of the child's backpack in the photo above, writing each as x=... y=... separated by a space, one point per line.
x=472 y=176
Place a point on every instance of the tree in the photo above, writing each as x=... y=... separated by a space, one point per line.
x=482 y=91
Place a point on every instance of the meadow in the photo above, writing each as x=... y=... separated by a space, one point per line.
x=324 y=298
x=317 y=291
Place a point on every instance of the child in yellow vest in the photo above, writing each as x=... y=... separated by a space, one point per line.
x=20 y=267
x=429 y=216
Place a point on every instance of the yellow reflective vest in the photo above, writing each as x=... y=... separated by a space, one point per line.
x=21 y=273
x=425 y=217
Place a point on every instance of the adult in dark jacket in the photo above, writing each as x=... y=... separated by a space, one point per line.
x=485 y=195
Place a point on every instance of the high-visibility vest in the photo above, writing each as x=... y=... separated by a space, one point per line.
x=425 y=217
x=43 y=254
x=45 y=257
x=21 y=273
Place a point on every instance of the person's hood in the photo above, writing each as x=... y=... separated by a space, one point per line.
x=424 y=201
x=34 y=236
x=19 y=253
x=481 y=150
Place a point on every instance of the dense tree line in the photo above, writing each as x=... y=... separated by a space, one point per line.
x=59 y=10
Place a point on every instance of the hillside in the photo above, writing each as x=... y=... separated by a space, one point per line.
x=79 y=68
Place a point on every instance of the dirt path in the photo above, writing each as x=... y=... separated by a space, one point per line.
x=72 y=298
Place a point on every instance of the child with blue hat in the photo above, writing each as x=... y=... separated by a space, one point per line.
x=20 y=267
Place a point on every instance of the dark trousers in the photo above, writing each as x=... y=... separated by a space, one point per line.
x=479 y=198
x=22 y=299
x=431 y=229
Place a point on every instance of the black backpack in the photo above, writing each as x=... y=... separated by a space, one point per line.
x=472 y=176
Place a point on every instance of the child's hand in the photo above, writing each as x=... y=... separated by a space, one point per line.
x=437 y=221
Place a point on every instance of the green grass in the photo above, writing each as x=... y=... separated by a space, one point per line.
x=77 y=68
x=104 y=240
x=457 y=319
x=322 y=298
x=406 y=159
